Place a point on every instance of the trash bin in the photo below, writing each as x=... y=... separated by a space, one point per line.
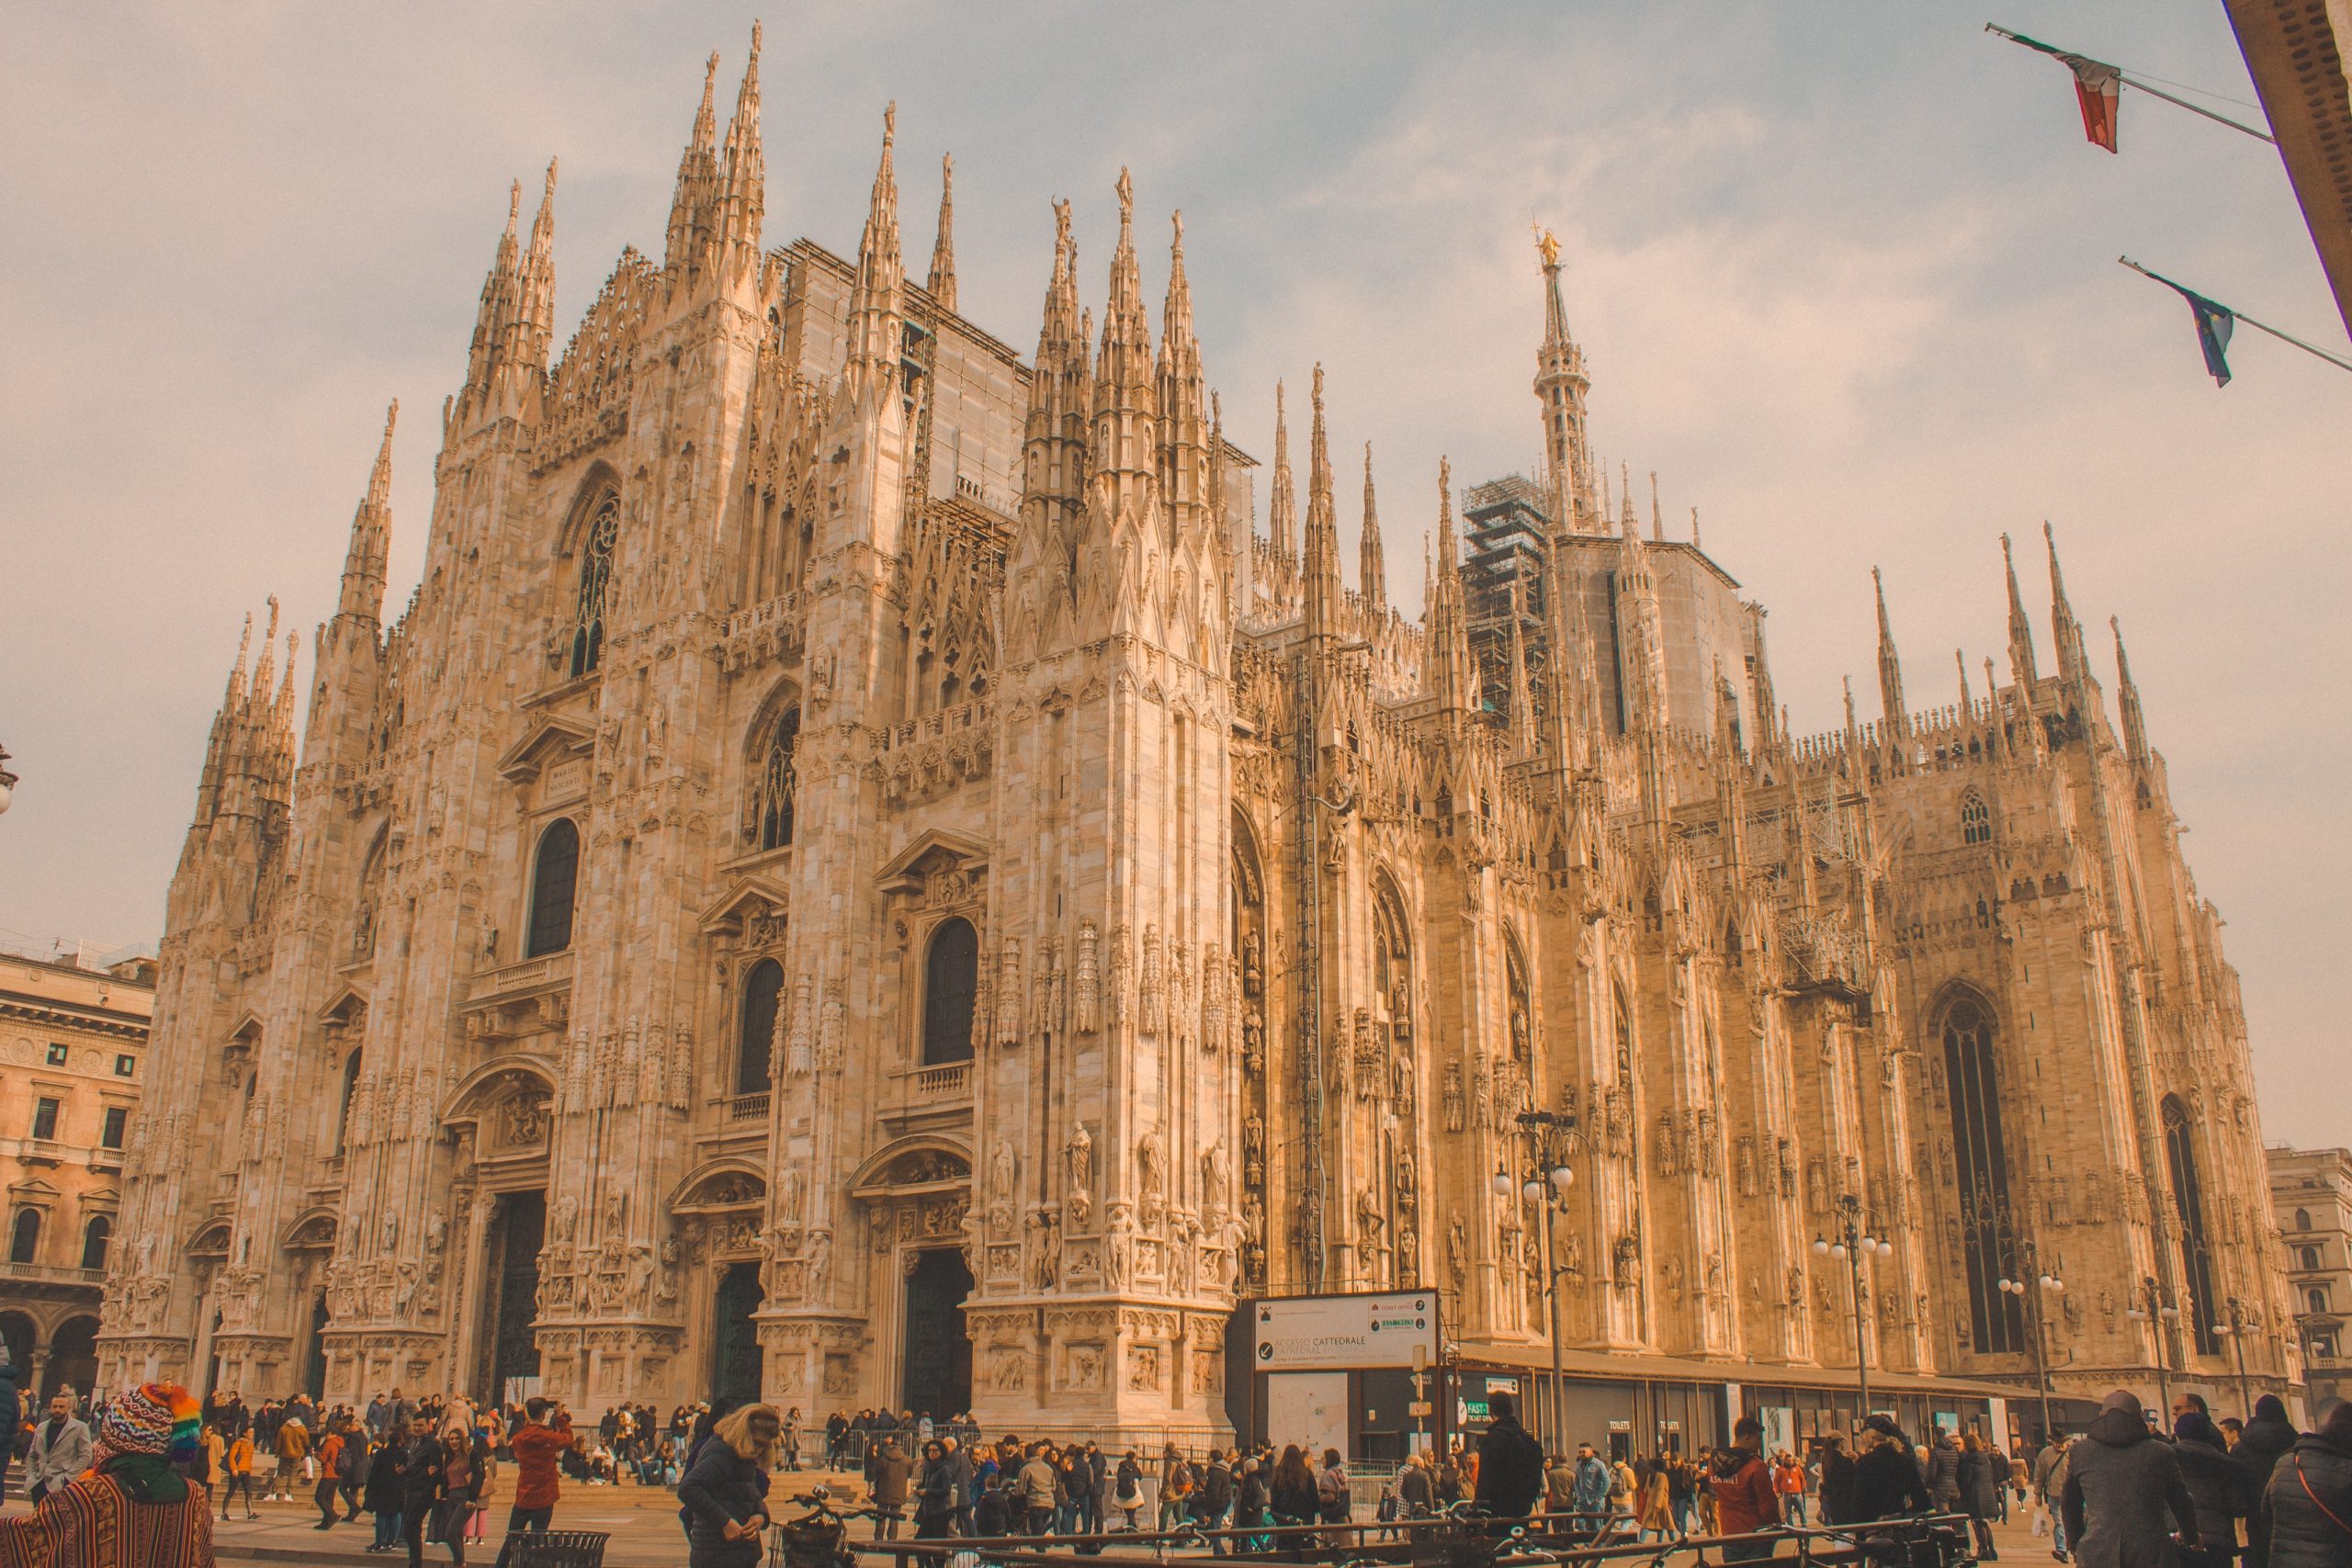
x=560 y=1548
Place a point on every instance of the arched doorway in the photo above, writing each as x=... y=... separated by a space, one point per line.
x=520 y=1224
x=937 y=1380
x=736 y=1355
x=314 y=1359
x=72 y=1357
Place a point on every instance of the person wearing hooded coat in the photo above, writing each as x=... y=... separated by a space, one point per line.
x=1886 y=1478
x=2310 y=1497
x=2120 y=1483
x=1979 y=1494
x=1510 y=1461
x=2216 y=1483
x=1836 y=1482
x=2260 y=1444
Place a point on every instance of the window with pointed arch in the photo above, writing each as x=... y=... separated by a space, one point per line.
x=779 y=776
x=951 y=984
x=756 y=1036
x=1981 y=1173
x=1520 y=999
x=1392 y=964
x=95 y=1237
x=596 y=546
x=350 y=1090
x=2302 y=1219
x=24 y=1237
x=2307 y=1257
x=2188 y=1198
x=1975 y=820
x=555 y=877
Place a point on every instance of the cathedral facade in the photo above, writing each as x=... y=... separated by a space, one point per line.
x=862 y=875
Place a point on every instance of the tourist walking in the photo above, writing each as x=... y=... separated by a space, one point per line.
x=1940 y=1471
x=1887 y=1483
x=2261 y=1444
x=1788 y=1483
x=1742 y=1483
x=1038 y=1485
x=2120 y=1483
x=1126 y=1490
x=889 y=1473
x=330 y=1457
x=2309 y=1501
x=1510 y=1461
x=239 y=1472
x=59 y=1449
x=2217 y=1487
x=1980 y=1488
x=724 y=1494
x=934 y=1495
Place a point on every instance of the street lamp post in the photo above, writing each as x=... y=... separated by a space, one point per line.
x=2036 y=1322
x=2151 y=1309
x=1545 y=1182
x=2235 y=1328
x=1850 y=1244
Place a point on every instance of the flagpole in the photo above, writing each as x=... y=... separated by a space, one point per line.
x=2237 y=315
x=2131 y=80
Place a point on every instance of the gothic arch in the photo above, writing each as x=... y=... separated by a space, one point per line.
x=555 y=889
x=2188 y=1197
x=731 y=1183
x=591 y=538
x=901 y=1164
x=312 y=1230
x=771 y=771
x=1968 y=1030
x=1248 y=865
x=758 y=1001
x=601 y=479
x=495 y=1080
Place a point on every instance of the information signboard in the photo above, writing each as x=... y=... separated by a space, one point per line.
x=1303 y=1332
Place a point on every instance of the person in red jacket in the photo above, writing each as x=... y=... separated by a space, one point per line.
x=538 y=1445
x=1742 y=1482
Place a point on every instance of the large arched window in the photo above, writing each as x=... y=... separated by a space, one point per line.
x=2302 y=1219
x=1983 y=1173
x=95 y=1237
x=343 y=1111
x=755 y=1042
x=951 y=975
x=2188 y=1196
x=1976 y=820
x=603 y=531
x=778 y=776
x=555 y=875
x=24 y=1237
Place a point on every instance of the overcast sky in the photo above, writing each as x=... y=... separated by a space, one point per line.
x=1845 y=273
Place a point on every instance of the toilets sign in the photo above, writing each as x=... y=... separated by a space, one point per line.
x=1299 y=1332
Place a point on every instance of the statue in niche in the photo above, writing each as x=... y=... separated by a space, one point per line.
x=1457 y=1252
x=1077 y=1157
x=1151 y=1176
x=1253 y=971
x=1253 y=1042
x=1453 y=1097
x=1253 y=1149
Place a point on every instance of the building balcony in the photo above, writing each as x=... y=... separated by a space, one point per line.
x=745 y=1108
x=929 y=1096
x=52 y=1274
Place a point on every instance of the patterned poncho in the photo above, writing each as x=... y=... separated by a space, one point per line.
x=114 y=1516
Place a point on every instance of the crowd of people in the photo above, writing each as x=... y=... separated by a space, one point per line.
x=148 y=1465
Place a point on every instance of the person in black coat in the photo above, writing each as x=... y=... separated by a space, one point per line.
x=2310 y=1497
x=387 y=1472
x=1510 y=1461
x=2217 y=1486
x=424 y=1475
x=2261 y=1443
x=1837 y=1483
x=1887 y=1484
x=725 y=1494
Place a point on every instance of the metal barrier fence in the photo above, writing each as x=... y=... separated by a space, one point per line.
x=1455 y=1541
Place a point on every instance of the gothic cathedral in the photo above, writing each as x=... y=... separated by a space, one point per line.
x=861 y=876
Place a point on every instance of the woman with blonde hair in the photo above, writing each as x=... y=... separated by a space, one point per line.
x=722 y=1494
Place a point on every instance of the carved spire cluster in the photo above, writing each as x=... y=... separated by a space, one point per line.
x=940 y=283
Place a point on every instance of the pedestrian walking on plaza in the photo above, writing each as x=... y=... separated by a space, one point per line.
x=1940 y=1470
x=2121 y=1480
x=1980 y=1489
x=723 y=1494
x=239 y=1472
x=1510 y=1461
x=132 y=1508
x=1887 y=1483
x=1559 y=1485
x=461 y=1483
x=2309 y=1501
x=1837 y=1481
x=330 y=1457
x=385 y=1488
x=1788 y=1483
x=536 y=1445
x=1038 y=1486
x=2261 y=1444
x=934 y=1495
x=59 y=1449
x=2217 y=1486
x=889 y=1473
x=1742 y=1484
x=1654 y=1507
x=424 y=1474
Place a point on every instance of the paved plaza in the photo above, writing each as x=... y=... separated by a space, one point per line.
x=642 y=1520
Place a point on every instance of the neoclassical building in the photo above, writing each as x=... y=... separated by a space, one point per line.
x=860 y=874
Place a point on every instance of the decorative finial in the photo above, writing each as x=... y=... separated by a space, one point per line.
x=1177 y=218
x=1318 y=387
x=1127 y=188
x=392 y=415
x=1549 y=244
x=709 y=76
x=513 y=205
x=550 y=190
x=756 y=41
x=889 y=122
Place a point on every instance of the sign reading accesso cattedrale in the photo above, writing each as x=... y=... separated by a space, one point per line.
x=1346 y=1331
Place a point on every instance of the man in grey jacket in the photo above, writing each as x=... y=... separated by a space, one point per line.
x=2120 y=1483
x=59 y=1449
